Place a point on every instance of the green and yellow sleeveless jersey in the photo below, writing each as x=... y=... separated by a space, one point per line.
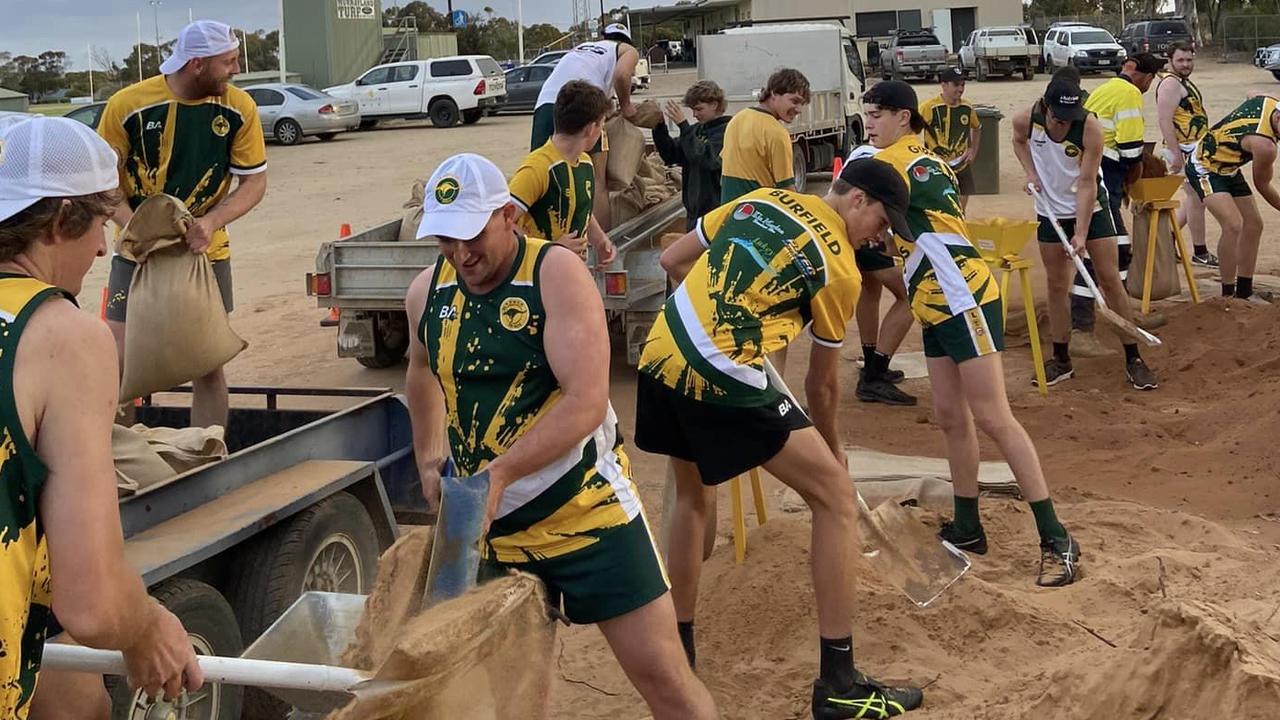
x=1220 y=150
x=946 y=276
x=757 y=154
x=25 y=598
x=554 y=193
x=1190 y=121
x=487 y=352
x=946 y=131
x=776 y=262
x=187 y=149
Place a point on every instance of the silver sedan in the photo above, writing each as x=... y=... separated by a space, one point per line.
x=290 y=112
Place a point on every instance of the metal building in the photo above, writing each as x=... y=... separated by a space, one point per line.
x=12 y=101
x=331 y=42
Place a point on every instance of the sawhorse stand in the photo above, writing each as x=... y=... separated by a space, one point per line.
x=1006 y=266
x=1156 y=210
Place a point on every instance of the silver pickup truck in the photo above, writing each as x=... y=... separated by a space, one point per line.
x=912 y=53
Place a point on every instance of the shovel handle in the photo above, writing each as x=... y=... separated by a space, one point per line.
x=1062 y=237
x=232 y=671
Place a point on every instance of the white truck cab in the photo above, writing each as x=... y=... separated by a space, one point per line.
x=446 y=90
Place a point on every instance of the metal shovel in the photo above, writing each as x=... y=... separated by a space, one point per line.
x=1107 y=313
x=455 y=551
x=902 y=549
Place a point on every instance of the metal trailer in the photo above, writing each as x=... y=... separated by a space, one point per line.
x=307 y=500
x=366 y=276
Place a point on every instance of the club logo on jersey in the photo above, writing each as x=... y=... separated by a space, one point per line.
x=964 y=119
x=447 y=190
x=744 y=211
x=221 y=127
x=921 y=173
x=154 y=125
x=1071 y=151
x=448 y=312
x=514 y=314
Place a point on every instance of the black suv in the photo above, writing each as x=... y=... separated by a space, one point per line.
x=1154 y=36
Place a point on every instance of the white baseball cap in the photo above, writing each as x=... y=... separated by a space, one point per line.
x=200 y=39
x=52 y=157
x=617 y=28
x=461 y=196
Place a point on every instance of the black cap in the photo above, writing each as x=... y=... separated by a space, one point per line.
x=951 y=74
x=1064 y=100
x=882 y=183
x=1146 y=63
x=896 y=95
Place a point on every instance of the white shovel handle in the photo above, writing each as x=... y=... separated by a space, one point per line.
x=232 y=671
x=1062 y=236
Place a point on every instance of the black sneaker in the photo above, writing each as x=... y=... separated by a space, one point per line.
x=1140 y=376
x=893 y=376
x=1055 y=371
x=1205 y=259
x=882 y=391
x=866 y=699
x=976 y=544
x=1059 y=562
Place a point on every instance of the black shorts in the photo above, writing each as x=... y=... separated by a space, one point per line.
x=1207 y=184
x=724 y=441
x=121 y=277
x=1102 y=224
x=872 y=258
x=964 y=181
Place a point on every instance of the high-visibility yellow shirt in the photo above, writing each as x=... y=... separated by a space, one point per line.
x=1118 y=105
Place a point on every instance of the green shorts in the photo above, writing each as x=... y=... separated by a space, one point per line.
x=619 y=573
x=544 y=126
x=972 y=334
x=1101 y=225
x=870 y=258
x=1208 y=183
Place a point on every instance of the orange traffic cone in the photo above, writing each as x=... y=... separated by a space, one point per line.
x=344 y=230
x=836 y=167
x=331 y=320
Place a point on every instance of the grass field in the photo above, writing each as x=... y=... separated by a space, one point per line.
x=51 y=108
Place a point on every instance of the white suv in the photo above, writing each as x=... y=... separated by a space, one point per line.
x=446 y=90
x=1086 y=47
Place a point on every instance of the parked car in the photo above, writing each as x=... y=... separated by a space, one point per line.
x=90 y=114
x=1265 y=56
x=551 y=57
x=290 y=112
x=445 y=90
x=1155 y=36
x=912 y=53
x=1001 y=50
x=1086 y=47
x=524 y=84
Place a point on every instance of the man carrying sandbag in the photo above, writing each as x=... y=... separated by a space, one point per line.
x=509 y=373
x=185 y=133
x=62 y=548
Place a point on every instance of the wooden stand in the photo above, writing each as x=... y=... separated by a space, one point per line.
x=739 y=516
x=1155 y=210
x=1006 y=266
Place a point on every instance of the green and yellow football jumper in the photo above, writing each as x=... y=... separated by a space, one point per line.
x=1190 y=121
x=946 y=131
x=555 y=193
x=1220 y=154
x=756 y=154
x=187 y=149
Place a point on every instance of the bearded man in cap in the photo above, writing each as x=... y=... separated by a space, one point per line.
x=185 y=133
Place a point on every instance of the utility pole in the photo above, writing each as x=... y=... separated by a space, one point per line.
x=280 y=43
x=520 y=31
x=139 y=19
x=155 y=13
x=91 y=72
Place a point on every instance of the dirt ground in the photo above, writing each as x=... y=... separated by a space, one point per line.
x=1174 y=494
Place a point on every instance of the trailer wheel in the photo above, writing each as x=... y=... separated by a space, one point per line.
x=330 y=546
x=799 y=167
x=390 y=340
x=212 y=625
x=1028 y=73
x=980 y=70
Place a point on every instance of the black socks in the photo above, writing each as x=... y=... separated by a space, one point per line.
x=836 y=664
x=1228 y=289
x=1201 y=249
x=1061 y=352
x=1131 y=352
x=1244 y=286
x=686 y=638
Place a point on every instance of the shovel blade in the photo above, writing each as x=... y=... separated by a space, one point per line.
x=909 y=555
x=1127 y=327
x=455 y=551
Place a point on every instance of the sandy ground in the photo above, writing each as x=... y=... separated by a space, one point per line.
x=1174 y=494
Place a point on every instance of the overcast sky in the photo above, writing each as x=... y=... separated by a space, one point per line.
x=30 y=27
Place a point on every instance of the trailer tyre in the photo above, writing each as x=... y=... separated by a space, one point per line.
x=1028 y=73
x=212 y=625
x=443 y=113
x=330 y=546
x=390 y=341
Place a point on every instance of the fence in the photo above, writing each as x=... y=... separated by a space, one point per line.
x=1242 y=35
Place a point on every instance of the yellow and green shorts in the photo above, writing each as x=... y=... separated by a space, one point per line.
x=971 y=334
x=620 y=572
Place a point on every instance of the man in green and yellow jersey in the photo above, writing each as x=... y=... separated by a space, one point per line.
x=757 y=148
x=956 y=300
x=1246 y=135
x=1183 y=121
x=186 y=133
x=753 y=274
x=553 y=187
x=61 y=547
x=952 y=130
x=509 y=373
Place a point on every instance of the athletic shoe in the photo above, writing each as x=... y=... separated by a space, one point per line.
x=866 y=699
x=1055 y=371
x=976 y=544
x=893 y=376
x=1205 y=259
x=882 y=391
x=1059 y=562
x=1140 y=376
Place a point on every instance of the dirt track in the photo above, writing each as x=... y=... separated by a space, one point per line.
x=1203 y=444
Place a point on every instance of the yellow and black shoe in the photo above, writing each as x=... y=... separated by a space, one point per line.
x=866 y=699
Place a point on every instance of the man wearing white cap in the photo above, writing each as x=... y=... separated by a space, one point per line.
x=609 y=64
x=61 y=547
x=509 y=373
x=186 y=132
